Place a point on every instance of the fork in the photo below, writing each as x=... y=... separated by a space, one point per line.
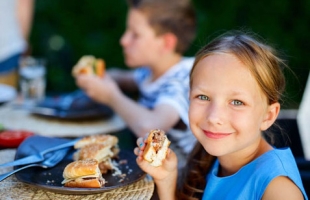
x=39 y=156
x=51 y=161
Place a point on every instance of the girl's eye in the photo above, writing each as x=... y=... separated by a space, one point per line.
x=203 y=97
x=237 y=103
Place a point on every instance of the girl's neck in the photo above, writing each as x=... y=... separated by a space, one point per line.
x=230 y=164
x=164 y=64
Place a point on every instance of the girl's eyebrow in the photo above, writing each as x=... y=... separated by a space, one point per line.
x=237 y=92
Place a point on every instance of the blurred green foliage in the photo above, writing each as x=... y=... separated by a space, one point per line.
x=63 y=31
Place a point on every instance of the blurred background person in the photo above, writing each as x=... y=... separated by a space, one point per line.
x=15 y=23
x=157 y=34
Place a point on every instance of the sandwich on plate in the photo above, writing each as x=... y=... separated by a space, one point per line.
x=103 y=148
x=83 y=174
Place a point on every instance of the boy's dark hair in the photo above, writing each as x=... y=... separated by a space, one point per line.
x=174 y=16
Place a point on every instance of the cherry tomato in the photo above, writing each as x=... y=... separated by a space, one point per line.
x=13 y=138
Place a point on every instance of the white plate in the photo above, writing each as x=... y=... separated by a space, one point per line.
x=7 y=93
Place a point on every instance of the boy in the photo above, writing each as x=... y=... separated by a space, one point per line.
x=157 y=34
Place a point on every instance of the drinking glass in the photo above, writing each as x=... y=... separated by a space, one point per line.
x=32 y=79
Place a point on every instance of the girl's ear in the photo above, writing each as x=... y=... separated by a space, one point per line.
x=271 y=116
x=170 y=41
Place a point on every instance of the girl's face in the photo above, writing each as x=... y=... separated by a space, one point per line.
x=228 y=110
x=140 y=44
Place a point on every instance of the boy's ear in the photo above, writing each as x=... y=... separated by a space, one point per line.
x=271 y=116
x=170 y=41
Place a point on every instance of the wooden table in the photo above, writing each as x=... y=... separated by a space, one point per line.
x=11 y=188
x=16 y=118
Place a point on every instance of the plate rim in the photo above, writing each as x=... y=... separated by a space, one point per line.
x=78 y=191
x=72 y=114
x=10 y=93
x=69 y=190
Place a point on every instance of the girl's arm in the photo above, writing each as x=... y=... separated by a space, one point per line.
x=282 y=188
x=165 y=176
x=170 y=183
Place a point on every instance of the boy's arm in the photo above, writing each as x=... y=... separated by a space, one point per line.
x=141 y=119
x=124 y=79
x=138 y=118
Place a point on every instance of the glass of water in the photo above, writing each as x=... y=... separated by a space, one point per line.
x=32 y=79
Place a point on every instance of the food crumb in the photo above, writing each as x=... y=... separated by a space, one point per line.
x=124 y=161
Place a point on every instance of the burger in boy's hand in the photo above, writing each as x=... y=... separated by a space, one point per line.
x=89 y=65
x=156 y=147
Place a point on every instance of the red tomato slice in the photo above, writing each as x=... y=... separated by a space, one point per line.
x=13 y=138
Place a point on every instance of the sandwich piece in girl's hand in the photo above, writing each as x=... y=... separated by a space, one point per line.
x=156 y=148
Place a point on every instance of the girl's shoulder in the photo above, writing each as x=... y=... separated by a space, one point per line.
x=277 y=164
x=280 y=160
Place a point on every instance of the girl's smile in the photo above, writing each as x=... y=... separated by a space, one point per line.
x=212 y=135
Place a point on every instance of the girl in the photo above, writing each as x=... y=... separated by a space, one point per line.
x=235 y=87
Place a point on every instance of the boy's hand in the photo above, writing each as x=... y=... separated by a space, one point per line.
x=99 y=89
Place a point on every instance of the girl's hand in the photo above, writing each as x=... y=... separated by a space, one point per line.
x=168 y=169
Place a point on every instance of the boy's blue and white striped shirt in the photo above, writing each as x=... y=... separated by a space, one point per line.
x=171 y=88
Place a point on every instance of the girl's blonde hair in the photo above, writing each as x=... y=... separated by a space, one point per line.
x=265 y=66
x=261 y=59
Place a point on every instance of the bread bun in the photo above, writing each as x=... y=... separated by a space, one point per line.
x=80 y=168
x=89 y=65
x=83 y=173
x=100 y=147
x=98 y=139
x=156 y=148
x=82 y=183
x=96 y=151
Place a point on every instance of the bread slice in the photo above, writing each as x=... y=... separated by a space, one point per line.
x=83 y=173
x=95 y=151
x=85 y=183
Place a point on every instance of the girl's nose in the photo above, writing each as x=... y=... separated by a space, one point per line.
x=215 y=114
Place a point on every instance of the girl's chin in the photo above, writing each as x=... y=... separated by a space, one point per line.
x=213 y=151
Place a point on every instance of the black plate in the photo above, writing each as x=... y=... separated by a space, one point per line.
x=101 y=112
x=50 y=179
x=72 y=106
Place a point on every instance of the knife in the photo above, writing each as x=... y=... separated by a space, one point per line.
x=39 y=156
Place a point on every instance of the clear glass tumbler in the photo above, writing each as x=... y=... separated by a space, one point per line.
x=32 y=79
